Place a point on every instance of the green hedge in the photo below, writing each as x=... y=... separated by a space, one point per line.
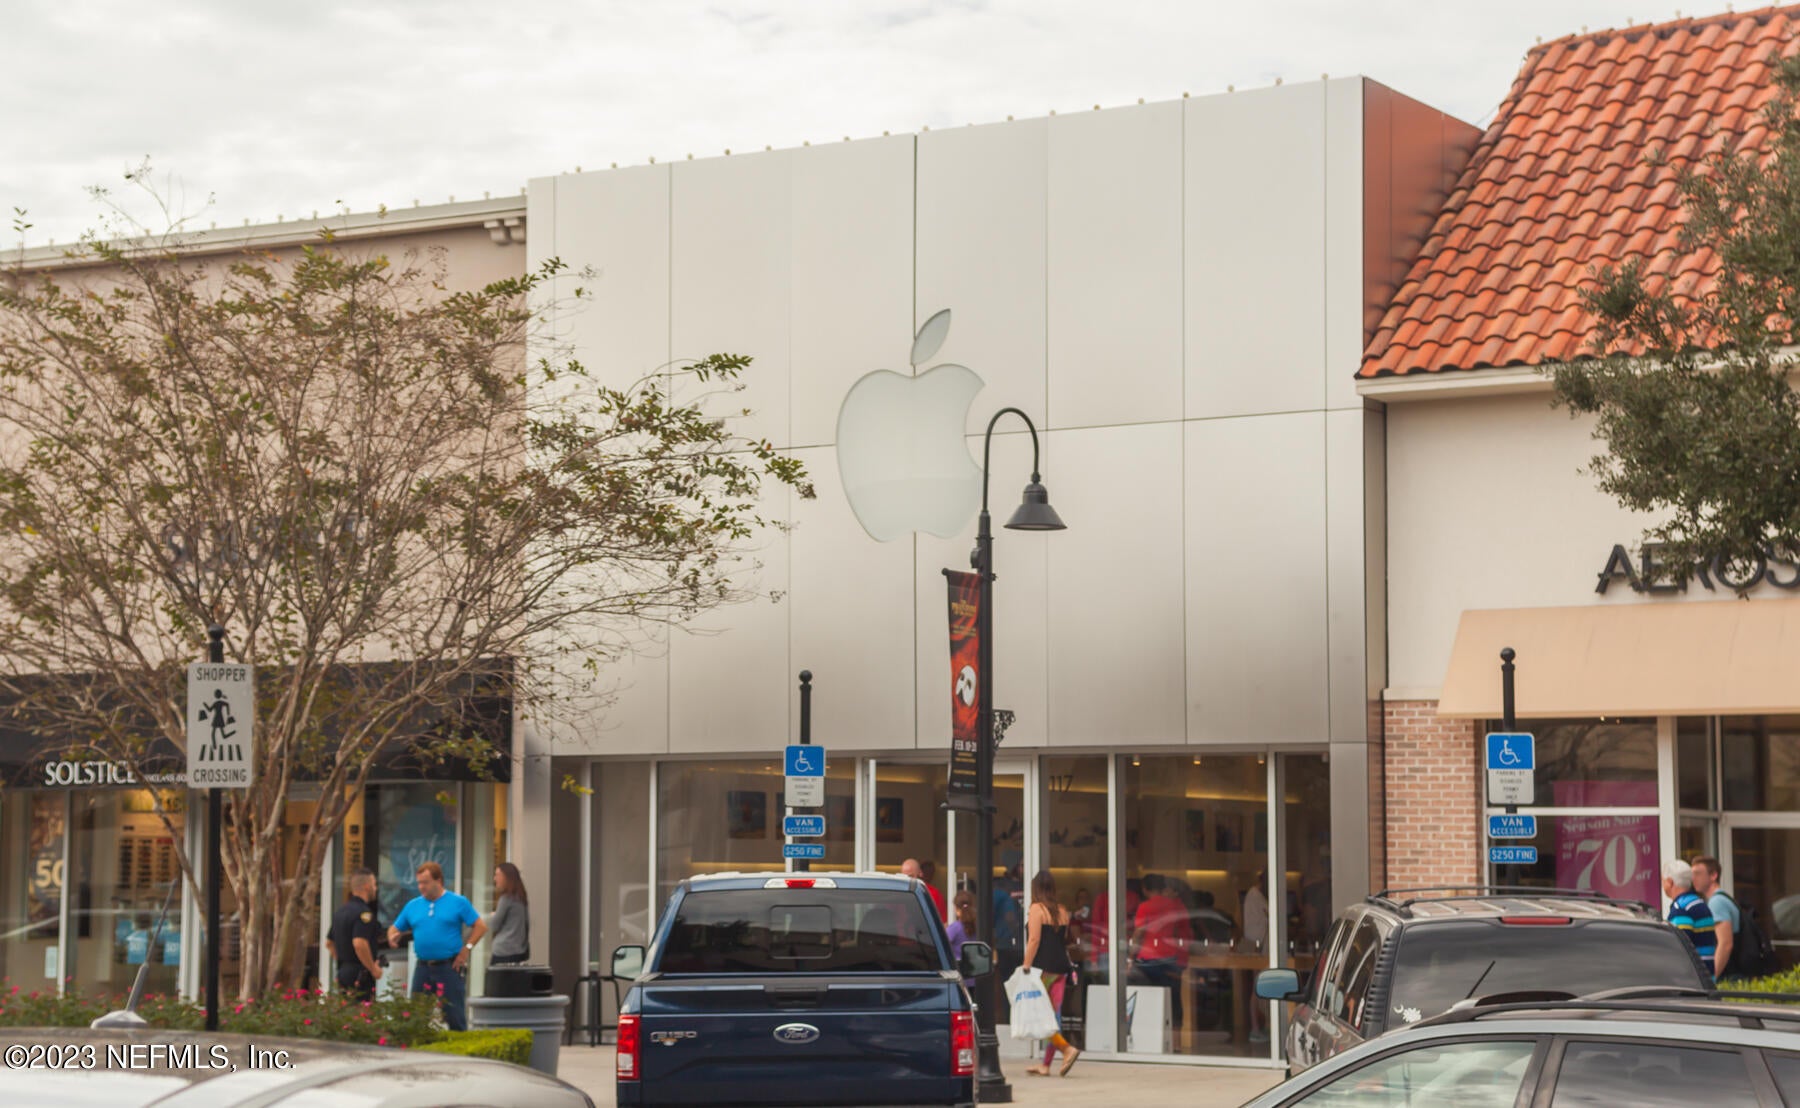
x=507 y=1044
x=1787 y=981
x=396 y=1021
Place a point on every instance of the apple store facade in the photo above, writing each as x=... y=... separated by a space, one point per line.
x=1177 y=295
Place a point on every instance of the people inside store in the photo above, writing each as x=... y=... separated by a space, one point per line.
x=1159 y=941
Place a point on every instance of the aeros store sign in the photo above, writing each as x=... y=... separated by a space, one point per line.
x=1652 y=573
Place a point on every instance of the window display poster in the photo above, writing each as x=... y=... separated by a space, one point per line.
x=45 y=881
x=1614 y=856
x=415 y=833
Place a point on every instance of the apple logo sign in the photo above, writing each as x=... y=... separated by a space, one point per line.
x=900 y=448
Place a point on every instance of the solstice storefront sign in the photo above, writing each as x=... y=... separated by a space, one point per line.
x=1651 y=573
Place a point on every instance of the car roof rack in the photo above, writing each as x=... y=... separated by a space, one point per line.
x=1675 y=1000
x=1402 y=900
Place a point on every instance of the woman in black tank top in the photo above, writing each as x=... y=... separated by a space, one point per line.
x=1047 y=950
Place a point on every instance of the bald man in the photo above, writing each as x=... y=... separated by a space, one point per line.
x=910 y=868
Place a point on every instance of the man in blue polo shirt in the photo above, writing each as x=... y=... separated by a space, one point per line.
x=435 y=919
x=1687 y=910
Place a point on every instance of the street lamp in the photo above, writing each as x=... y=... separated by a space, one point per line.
x=1033 y=514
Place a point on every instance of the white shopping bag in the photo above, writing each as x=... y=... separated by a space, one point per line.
x=1032 y=1015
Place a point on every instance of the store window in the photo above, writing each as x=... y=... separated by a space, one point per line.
x=1076 y=851
x=1196 y=843
x=1694 y=763
x=415 y=822
x=1594 y=763
x=1306 y=842
x=31 y=886
x=122 y=867
x=909 y=822
x=713 y=817
x=1598 y=778
x=1759 y=760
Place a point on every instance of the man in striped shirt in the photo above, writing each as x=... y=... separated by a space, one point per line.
x=1688 y=910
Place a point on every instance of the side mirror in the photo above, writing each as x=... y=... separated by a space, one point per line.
x=977 y=960
x=628 y=962
x=1278 y=984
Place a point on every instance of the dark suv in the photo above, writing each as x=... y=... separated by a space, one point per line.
x=1404 y=955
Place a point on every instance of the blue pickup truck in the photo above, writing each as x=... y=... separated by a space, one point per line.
x=797 y=989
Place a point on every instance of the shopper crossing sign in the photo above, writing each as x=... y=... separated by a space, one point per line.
x=221 y=710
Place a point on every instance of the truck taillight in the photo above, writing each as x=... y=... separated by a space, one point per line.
x=631 y=1043
x=962 y=1044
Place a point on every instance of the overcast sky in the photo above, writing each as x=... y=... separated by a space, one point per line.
x=283 y=108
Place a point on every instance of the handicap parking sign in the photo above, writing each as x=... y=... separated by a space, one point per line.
x=805 y=761
x=1511 y=750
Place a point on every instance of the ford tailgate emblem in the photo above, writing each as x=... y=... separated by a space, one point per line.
x=796 y=1033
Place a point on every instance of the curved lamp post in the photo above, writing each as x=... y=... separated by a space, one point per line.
x=1034 y=513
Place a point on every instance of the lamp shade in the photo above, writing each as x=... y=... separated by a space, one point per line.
x=1035 y=513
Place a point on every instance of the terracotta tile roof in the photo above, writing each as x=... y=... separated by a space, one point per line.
x=1560 y=183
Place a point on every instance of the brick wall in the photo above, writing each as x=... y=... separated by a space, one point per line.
x=1433 y=797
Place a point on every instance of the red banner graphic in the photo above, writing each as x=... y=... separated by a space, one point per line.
x=965 y=679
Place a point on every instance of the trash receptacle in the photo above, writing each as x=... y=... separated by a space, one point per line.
x=520 y=996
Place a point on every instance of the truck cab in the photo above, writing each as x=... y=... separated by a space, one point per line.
x=796 y=989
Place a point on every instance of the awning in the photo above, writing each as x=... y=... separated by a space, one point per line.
x=1630 y=659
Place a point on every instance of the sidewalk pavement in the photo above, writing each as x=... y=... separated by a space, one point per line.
x=1108 y=1084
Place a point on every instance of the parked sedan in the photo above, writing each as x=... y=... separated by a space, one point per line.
x=1647 y=1052
x=82 y=1068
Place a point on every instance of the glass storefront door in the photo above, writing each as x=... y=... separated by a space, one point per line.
x=1015 y=855
x=1762 y=868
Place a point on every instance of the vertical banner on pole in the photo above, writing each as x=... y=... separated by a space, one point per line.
x=965 y=680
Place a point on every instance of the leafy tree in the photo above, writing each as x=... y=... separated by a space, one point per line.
x=356 y=469
x=1691 y=393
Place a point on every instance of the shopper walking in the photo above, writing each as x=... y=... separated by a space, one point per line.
x=510 y=921
x=352 y=938
x=1688 y=910
x=435 y=919
x=1728 y=921
x=1047 y=950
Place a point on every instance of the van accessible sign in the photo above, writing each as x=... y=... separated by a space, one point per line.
x=221 y=704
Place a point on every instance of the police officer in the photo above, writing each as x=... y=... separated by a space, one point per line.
x=353 y=937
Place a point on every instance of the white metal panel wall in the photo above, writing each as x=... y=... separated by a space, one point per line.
x=1113 y=270
x=1117 y=670
x=1255 y=242
x=1020 y=599
x=1256 y=573
x=617 y=223
x=1344 y=281
x=852 y=274
x=980 y=250
x=851 y=620
x=1115 y=266
x=729 y=669
x=730 y=245
x=1345 y=542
